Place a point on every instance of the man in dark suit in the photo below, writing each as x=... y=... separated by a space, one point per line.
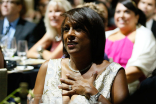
x=149 y=7
x=13 y=25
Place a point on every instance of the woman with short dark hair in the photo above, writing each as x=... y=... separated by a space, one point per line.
x=83 y=76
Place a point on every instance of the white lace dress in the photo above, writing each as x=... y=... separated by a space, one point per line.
x=53 y=95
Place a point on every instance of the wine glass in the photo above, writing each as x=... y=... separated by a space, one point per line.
x=10 y=46
x=22 y=50
x=3 y=42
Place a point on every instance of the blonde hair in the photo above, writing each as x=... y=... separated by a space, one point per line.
x=65 y=5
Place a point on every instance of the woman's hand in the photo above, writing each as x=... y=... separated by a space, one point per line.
x=79 y=85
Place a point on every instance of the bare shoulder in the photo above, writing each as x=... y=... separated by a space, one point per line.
x=44 y=67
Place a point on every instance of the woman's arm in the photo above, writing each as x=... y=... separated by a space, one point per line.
x=39 y=85
x=45 y=42
x=119 y=90
x=133 y=73
x=57 y=53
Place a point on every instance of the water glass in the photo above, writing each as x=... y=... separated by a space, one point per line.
x=22 y=50
x=2 y=42
x=9 y=46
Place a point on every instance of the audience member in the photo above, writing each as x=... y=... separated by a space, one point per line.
x=30 y=14
x=75 y=3
x=105 y=8
x=101 y=11
x=90 y=78
x=13 y=25
x=40 y=29
x=107 y=2
x=111 y=11
x=149 y=8
x=53 y=21
x=131 y=44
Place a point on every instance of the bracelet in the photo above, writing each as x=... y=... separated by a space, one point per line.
x=94 y=98
x=39 y=56
x=40 y=52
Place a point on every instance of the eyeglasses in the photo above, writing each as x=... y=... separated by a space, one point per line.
x=9 y=2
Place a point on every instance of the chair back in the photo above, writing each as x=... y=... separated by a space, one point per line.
x=3 y=83
x=2 y=61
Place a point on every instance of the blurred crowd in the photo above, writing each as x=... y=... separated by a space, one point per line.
x=130 y=31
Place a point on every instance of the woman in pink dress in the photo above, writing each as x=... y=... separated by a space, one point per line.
x=53 y=21
x=131 y=44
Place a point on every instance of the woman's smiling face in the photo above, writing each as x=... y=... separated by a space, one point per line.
x=54 y=15
x=125 y=18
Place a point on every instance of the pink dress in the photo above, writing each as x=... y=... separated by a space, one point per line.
x=54 y=45
x=120 y=51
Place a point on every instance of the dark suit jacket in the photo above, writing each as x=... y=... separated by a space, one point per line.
x=23 y=31
x=154 y=28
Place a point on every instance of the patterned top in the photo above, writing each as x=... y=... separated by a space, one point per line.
x=53 y=95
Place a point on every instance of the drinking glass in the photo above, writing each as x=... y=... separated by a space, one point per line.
x=3 y=42
x=10 y=46
x=22 y=50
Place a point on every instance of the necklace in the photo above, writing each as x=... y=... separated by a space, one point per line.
x=79 y=70
x=57 y=38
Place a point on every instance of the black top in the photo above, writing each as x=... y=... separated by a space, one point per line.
x=39 y=31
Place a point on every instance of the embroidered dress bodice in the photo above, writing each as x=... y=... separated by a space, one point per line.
x=53 y=95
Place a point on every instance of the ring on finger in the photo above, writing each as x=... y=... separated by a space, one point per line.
x=70 y=87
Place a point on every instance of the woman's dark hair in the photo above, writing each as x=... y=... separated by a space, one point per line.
x=131 y=5
x=94 y=27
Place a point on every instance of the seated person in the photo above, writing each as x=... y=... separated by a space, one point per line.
x=52 y=37
x=83 y=76
x=103 y=6
x=40 y=29
x=131 y=44
x=13 y=25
